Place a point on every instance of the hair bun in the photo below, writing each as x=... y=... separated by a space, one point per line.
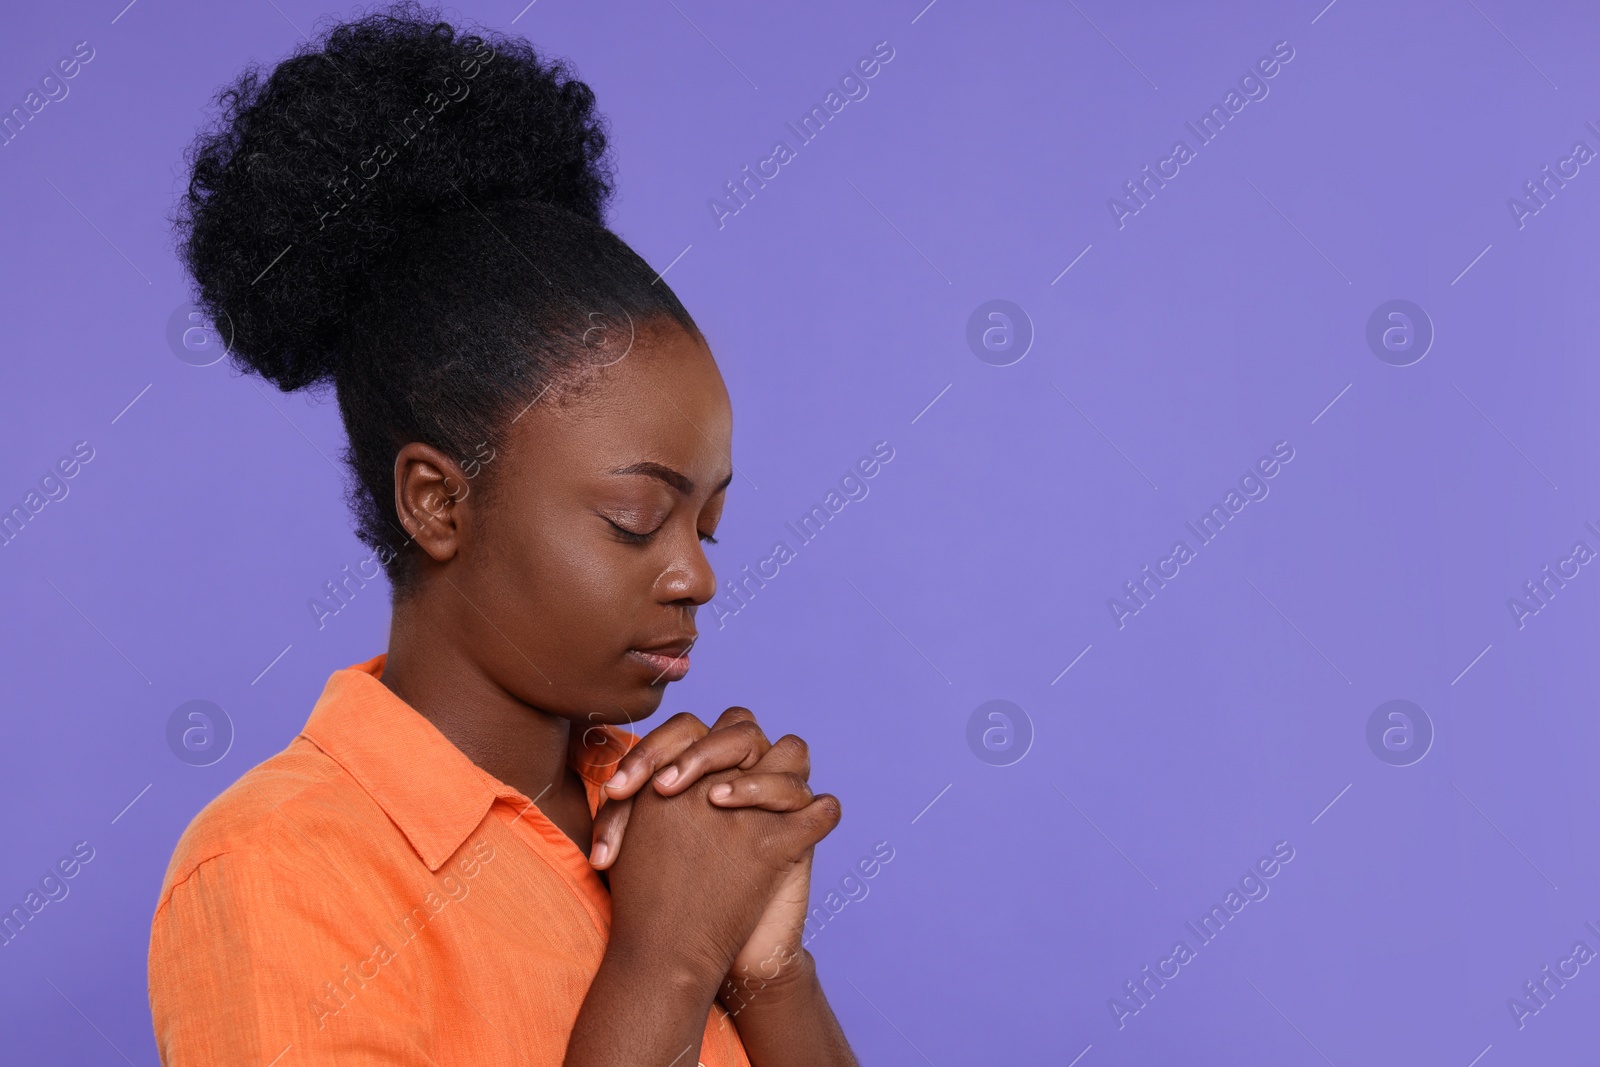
x=313 y=173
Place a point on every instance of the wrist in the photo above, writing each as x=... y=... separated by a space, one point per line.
x=663 y=965
x=788 y=975
x=644 y=1005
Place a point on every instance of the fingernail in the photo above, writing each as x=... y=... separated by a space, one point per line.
x=721 y=792
x=618 y=780
x=598 y=854
x=667 y=777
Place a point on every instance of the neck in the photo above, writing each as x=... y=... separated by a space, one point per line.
x=519 y=744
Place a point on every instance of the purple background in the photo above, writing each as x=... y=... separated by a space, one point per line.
x=1223 y=317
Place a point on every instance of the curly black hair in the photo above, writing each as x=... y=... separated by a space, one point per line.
x=415 y=216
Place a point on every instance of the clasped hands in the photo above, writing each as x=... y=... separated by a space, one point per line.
x=736 y=769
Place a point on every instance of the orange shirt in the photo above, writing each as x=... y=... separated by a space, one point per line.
x=371 y=896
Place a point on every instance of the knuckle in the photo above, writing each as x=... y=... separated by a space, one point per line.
x=748 y=729
x=689 y=721
x=645 y=756
x=793 y=744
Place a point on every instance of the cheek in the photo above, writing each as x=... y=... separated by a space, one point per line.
x=565 y=587
x=559 y=641
x=558 y=575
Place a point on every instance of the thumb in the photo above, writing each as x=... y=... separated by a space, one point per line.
x=609 y=826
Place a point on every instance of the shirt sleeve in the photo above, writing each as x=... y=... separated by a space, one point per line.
x=255 y=962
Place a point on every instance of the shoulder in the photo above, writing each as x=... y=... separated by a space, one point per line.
x=269 y=814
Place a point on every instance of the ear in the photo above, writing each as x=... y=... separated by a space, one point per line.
x=430 y=497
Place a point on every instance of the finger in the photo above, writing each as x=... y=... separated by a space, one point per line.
x=609 y=826
x=733 y=715
x=788 y=753
x=817 y=820
x=772 y=791
x=740 y=745
x=657 y=747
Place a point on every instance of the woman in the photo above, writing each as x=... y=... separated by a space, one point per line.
x=539 y=441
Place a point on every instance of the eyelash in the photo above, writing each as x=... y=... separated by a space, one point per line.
x=640 y=539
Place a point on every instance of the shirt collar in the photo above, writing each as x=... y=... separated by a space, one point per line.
x=427 y=786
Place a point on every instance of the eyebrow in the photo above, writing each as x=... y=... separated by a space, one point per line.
x=679 y=481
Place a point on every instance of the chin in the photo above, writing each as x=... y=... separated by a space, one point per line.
x=624 y=706
x=648 y=701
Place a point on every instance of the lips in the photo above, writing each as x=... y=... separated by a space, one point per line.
x=667 y=662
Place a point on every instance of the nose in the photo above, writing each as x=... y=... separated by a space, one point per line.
x=688 y=580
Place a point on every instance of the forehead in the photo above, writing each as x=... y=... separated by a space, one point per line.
x=664 y=401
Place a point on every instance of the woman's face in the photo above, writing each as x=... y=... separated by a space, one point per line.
x=586 y=564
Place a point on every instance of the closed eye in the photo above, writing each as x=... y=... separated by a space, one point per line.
x=634 y=538
x=629 y=536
